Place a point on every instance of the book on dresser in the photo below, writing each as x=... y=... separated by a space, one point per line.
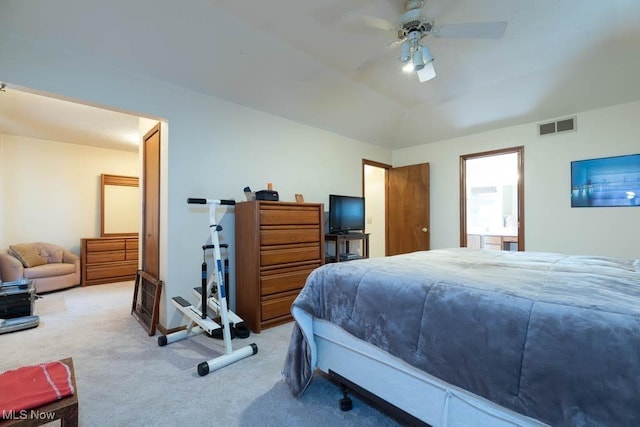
x=277 y=245
x=108 y=259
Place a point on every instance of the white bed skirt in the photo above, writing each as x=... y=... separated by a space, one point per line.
x=417 y=393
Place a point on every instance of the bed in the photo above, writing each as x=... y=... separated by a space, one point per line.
x=477 y=337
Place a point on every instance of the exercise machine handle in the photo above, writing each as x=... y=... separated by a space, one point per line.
x=199 y=201
x=196 y=201
x=222 y=245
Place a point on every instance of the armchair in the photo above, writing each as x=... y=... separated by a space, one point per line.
x=51 y=267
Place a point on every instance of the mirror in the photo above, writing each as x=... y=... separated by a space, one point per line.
x=120 y=206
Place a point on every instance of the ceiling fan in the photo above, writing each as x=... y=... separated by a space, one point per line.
x=414 y=27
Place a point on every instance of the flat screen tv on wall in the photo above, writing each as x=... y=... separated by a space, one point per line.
x=608 y=181
x=346 y=213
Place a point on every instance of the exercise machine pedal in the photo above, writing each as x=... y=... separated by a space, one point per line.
x=206 y=323
x=238 y=328
x=181 y=301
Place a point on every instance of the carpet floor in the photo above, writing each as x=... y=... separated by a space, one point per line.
x=124 y=378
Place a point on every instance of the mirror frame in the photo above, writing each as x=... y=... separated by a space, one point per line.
x=120 y=180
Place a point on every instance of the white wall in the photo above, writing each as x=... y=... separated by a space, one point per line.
x=214 y=149
x=51 y=190
x=550 y=222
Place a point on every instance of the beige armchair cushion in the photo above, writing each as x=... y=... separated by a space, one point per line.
x=50 y=252
x=27 y=254
x=49 y=270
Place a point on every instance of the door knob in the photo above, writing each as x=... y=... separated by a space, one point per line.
x=425 y=229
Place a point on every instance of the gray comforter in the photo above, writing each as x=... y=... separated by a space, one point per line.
x=550 y=336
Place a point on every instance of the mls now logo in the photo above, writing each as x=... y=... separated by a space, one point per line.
x=28 y=415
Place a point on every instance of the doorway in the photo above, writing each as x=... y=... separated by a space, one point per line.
x=374 y=179
x=492 y=200
x=116 y=134
x=405 y=191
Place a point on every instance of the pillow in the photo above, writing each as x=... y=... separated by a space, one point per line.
x=50 y=253
x=27 y=254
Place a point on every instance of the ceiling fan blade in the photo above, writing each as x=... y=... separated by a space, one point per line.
x=471 y=30
x=377 y=58
x=369 y=21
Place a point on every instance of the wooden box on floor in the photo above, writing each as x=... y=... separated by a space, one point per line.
x=277 y=245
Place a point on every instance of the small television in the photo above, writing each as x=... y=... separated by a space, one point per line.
x=346 y=213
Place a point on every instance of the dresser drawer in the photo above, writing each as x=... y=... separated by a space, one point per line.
x=289 y=217
x=131 y=255
x=105 y=256
x=114 y=270
x=131 y=244
x=105 y=245
x=289 y=255
x=289 y=236
x=277 y=307
x=282 y=282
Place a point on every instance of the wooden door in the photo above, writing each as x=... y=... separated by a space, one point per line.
x=151 y=203
x=408 y=209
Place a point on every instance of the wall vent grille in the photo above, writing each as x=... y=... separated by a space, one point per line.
x=559 y=126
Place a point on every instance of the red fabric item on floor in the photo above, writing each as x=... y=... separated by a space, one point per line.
x=31 y=386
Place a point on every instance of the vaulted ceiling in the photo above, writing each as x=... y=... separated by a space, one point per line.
x=313 y=61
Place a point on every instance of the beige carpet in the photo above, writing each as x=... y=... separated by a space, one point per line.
x=125 y=379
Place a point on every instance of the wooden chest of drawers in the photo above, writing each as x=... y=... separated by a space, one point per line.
x=277 y=245
x=109 y=259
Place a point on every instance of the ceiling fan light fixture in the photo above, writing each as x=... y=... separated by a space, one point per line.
x=427 y=73
x=408 y=67
x=418 y=61
x=405 y=52
x=427 y=56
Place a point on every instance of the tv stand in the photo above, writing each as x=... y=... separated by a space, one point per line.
x=339 y=238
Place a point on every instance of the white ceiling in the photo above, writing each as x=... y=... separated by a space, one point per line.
x=31 y=115
x=311 y=61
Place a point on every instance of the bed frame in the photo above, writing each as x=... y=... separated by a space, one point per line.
x=418 y=395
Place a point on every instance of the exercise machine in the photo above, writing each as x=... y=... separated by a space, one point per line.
x=213 y=298
x=17 y=300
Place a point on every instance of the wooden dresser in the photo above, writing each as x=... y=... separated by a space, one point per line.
x=108 y=259
x=277 y=245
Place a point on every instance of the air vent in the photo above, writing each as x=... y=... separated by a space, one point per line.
x=547 y=128
x=564 y=125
